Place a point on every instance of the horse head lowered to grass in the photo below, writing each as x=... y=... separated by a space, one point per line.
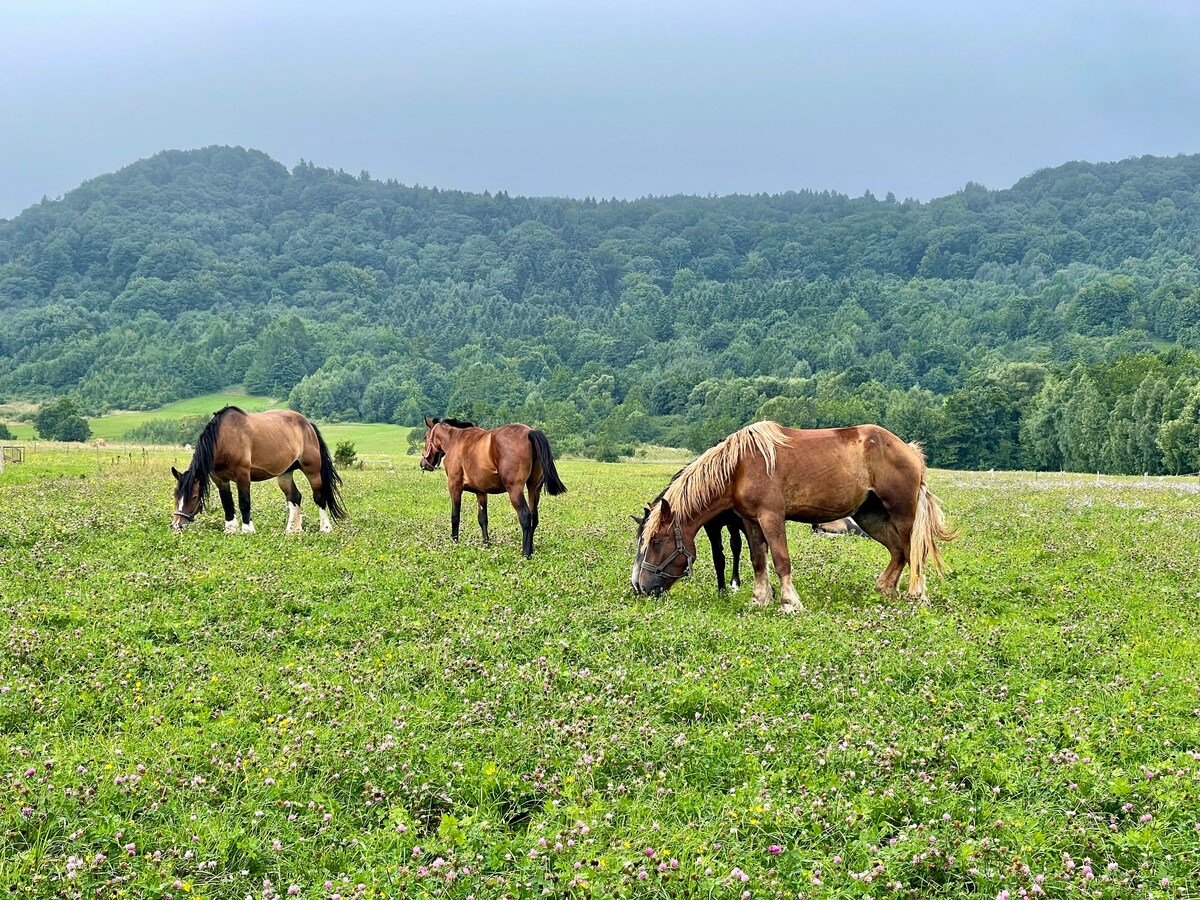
x=769 y=475
x=728 y=520
x=237 y=447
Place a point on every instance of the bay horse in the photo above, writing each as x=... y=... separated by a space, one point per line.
x=769 y=475
x=237 y=447
x=728 y=520
x=511 y=459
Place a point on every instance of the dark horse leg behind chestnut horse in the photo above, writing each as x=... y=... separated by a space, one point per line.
x=514 y=459
x=731 y=521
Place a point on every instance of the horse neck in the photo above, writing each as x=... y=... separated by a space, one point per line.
x=455 y=440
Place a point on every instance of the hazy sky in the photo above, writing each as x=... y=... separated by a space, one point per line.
x=600 y=98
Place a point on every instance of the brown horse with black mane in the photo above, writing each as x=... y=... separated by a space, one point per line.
x=237 y=447
x=512 y=459
x=769 y=475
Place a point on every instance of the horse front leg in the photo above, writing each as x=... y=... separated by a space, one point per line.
x=774 y=529
x=226 y=495
x=243 y=488
x=763 y=595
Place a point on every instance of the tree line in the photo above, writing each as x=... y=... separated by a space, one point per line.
x=1052 y=324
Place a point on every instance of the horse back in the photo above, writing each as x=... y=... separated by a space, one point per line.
x=267 y=443
x=822 y=474
x=490 y=460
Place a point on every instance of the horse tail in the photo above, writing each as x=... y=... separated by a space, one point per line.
x=543 y=454
x=929 y=527
x=331 y=481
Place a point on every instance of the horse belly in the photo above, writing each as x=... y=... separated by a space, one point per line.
x=486 y=483
x=821 y=500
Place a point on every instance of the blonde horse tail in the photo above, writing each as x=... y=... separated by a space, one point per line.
x=929 y=527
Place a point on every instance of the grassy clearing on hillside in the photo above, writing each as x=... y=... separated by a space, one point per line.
x=378 y=712
x=113 y=425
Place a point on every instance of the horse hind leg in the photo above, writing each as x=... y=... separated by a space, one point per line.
x=483 y=517
x=534 y=489
x=291 y=493
x=874 y=519
x=319 y=498
x=525 y=517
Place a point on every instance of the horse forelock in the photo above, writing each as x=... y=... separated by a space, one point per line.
x=695 y=488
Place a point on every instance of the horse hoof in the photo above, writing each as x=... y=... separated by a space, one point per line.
x=231 y=528
x=248 y=528
x=792 y=608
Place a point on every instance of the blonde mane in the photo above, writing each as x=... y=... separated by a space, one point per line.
x=707 y=476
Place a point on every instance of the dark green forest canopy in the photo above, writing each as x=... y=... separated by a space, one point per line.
x=1053 y=324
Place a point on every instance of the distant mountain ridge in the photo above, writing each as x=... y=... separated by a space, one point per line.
x=192 y=270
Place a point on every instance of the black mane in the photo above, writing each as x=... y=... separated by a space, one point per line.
x=454 y=423
x=204 y=456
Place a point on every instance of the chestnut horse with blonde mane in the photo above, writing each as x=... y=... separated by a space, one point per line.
x=511 y=459
x=770 y=475
x=237 y=447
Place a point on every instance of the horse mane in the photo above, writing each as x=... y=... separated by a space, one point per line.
x=204 y=457
x=702 y=480
x=454 y=423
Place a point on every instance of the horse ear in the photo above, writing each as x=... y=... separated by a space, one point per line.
x=428 y=422
x=666 y=511
x=175 y=473
x=640 y=522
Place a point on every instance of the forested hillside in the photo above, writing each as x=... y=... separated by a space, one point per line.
x=1053 y=324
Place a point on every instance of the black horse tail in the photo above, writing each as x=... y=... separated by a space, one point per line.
x=331 y=481
x=543 y=454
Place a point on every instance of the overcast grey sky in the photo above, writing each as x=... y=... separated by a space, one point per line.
x=600 y=98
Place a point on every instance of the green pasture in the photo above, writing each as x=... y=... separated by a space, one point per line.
x=380 y=713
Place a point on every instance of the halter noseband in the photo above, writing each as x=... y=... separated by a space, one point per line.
x=680 y=550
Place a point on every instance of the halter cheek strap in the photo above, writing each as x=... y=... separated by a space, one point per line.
x=680 y=550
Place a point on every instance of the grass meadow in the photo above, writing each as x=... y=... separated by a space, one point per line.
x=380 y=713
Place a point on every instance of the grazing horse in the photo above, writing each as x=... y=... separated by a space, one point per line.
x=838 y=528
x=769 y=474
x=713 y=527
x=511 y=459
x=239 y=447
